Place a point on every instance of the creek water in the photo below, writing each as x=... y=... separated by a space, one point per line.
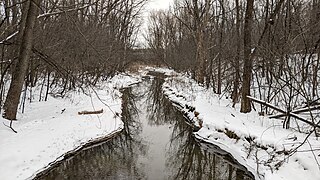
x=156 y=143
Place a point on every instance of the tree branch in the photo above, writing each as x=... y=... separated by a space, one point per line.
x=286 y=113
x=10 y=126
x=69 y=10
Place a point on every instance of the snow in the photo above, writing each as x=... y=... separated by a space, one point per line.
x=49 y=129
x=256 y=141
x=9 y=37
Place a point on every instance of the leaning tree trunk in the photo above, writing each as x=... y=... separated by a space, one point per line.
x=247 y=69
x=18 y=75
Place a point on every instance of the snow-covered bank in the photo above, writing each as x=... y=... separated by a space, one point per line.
x=49 y=129
x=259 y=143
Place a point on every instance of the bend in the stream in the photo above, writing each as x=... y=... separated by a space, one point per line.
x=155 y=143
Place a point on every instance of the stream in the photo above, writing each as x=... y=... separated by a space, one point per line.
x=156 y=143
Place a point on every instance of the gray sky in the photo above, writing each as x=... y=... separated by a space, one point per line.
x=159 y=4
x=150 y=6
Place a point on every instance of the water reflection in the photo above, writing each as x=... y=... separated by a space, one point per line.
x=160 y=111
x=156 y=143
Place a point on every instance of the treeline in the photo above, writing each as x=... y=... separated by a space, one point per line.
x=269 y=48
x=64 y=43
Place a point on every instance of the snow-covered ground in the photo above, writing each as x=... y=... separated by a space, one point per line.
x=49 y=129
x=259 y=143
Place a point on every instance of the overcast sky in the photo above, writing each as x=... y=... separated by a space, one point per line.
x=151 y=6
x=159 y=4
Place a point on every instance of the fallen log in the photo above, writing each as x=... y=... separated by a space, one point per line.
x=297 y=111
x=267 y=104
x=285 y=113
x=90 y=112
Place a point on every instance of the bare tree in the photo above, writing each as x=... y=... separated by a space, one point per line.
x=237 y=56
x=18 y=76
x=247 y=67
x=76 y=43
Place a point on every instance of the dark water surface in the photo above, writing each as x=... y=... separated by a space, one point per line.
x=156 y=143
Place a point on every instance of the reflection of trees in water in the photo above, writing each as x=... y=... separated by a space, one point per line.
x=188 y=159
x=132 y=126
x=115 y=159
x=159 y=108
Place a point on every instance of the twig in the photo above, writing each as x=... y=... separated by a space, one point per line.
x=318 y=149
x=296 y=148
x=64 y=11
x=315 y=157
x=95 y=92
x=10 y=126
x=287 y=113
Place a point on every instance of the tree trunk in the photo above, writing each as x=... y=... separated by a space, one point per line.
x=18 y=75
x=6 y=11
x=14 y=12
x=247 y=69
x=237 y=59
x=201 y=58
x=220 y=47
x=201 y=17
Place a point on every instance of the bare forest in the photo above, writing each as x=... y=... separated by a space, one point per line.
x=62 y=44
x=268 y=49
x=243 y=74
